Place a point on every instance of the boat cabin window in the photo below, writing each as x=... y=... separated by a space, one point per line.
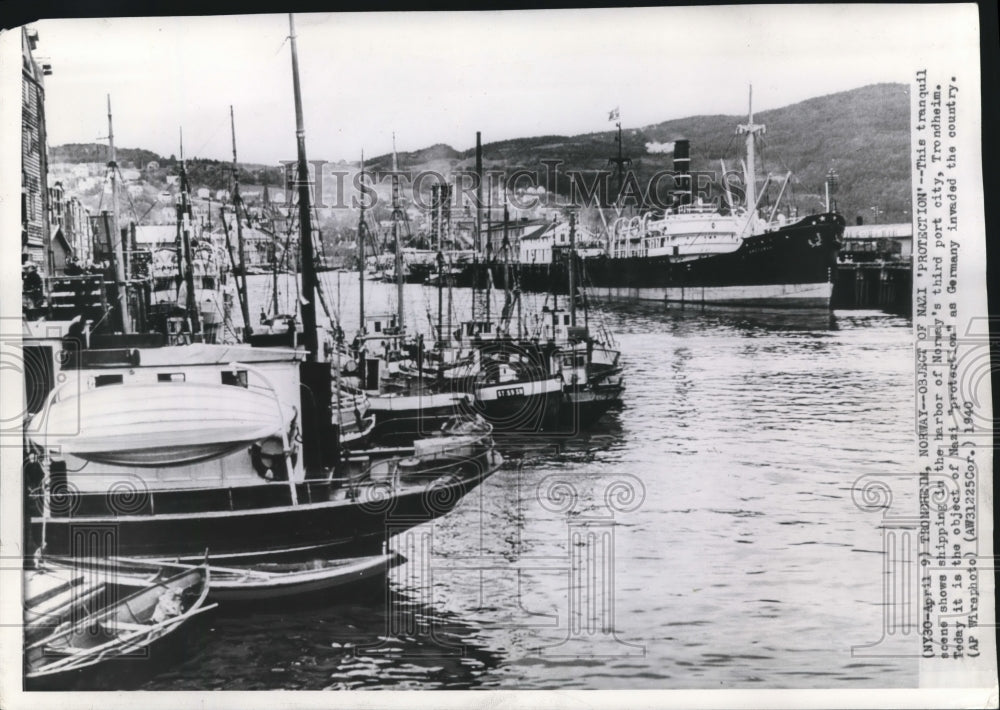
x=103 y=380
x=170 y=377
x=238 y=378
x=208 y=282
x=378 y=326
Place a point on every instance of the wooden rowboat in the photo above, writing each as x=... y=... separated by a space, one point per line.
x=128 y=629
x=249 y=582
x=160 y=424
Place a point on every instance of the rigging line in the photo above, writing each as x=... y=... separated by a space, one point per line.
x=129 y=196
x=208 y=140
x=281 y=46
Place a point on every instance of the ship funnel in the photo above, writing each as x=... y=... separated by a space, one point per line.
x=682 y=172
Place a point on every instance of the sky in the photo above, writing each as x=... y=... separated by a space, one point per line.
x=440 y=77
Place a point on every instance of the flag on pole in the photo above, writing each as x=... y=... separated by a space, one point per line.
x=613 y=114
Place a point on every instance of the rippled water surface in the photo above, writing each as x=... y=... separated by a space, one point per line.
x=703 y=536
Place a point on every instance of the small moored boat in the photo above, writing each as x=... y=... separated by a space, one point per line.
x=158 y=423
x=127 y=629
x=247 y=582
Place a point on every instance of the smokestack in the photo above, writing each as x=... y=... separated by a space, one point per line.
x=682 y=172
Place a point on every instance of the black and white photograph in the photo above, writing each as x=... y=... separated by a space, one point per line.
x=634 y=349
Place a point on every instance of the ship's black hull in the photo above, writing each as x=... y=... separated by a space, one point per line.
x=530 y=410
x=790 y=267
x=583 y=406
x=225 y=523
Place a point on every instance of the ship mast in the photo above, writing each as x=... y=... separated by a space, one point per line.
x=620 y=162
x=116 y=234
x=572 y=269
x=361 y=255
x=184 y=253
x=441 y=197
x=308 y=303
x=244 y=306
x=750 y=129
x=395 y=237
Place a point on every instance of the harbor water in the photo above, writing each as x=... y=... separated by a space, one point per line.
x=704 y=536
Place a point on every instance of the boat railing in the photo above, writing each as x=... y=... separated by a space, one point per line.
x=390 y=473
x=131 y=500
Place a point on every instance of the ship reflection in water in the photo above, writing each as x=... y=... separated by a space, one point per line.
x=702 y=536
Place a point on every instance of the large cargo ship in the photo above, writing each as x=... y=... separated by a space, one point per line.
x=695 y=252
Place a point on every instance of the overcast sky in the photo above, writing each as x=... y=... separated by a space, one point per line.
x=440 y=77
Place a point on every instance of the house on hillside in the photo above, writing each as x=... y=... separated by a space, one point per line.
x=69 y=221
x=155 y=236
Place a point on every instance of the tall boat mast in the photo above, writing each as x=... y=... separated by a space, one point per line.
x=265 y=198
x=442 y=196
x=361 y=254
x=305 y=222
x=116 y=234
x=184 y=221
x=572 y=269
x=508 y=298
x=244 y=306
x=395 y=236
x=620 y=161
x=750 y=129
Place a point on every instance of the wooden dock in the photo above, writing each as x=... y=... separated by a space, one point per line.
x=885 y=285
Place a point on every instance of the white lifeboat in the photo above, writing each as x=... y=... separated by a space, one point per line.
x=161 y=424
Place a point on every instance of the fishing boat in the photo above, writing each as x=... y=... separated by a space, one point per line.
x=243 y=583
x=189 y=290
x=276 y=481
x=380 y=362
x=271 y=480
x=352 y=416
x=588 y=364
x=135 y=627
x=730 y=254
x=516 y=388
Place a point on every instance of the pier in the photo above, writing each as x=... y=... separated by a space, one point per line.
x=883 y=285
x=875 y=268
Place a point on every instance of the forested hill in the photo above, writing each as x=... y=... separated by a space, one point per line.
x=864 y=134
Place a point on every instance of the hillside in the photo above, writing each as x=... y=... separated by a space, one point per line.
x=864 y=134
